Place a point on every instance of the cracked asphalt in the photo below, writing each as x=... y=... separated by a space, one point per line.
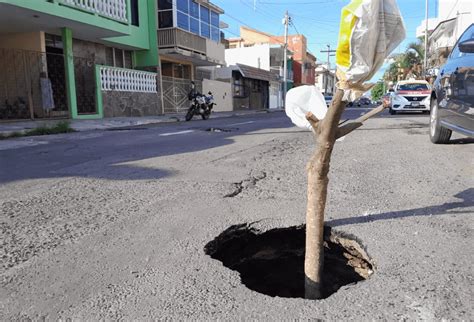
x=113 y=224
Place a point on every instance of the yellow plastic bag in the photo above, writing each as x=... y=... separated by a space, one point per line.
x=370 y=30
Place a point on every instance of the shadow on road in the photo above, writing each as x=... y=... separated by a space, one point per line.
x=467 y=197
x=110 y=154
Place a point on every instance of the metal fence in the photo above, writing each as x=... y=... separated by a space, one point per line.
x=84 y=72
x=175 y=94
x=32 y=85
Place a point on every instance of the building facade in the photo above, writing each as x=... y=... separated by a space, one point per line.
x=303 y=62
x=250 y=86
x=266 y=57
x=78 y=59
x=325 y=80
x=189 y=39
x=452 y=19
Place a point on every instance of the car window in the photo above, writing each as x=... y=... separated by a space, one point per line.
x=328 y=98
x=467 y=35
x=413 y=87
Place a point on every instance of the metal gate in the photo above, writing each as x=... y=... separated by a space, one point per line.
x=175 y=94
x=26 y=78
x=84 y=70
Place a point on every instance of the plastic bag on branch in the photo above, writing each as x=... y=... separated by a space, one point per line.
x=303 y=99
x=370 y=30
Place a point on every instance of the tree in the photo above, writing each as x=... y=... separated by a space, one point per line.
x=407 y=64
x=327 y=132
x=378 y=91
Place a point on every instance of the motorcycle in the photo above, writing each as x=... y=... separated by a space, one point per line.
x=200 y=104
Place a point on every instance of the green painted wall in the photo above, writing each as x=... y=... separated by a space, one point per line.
x=144 y=36
x=53 y=7
x=69 y=71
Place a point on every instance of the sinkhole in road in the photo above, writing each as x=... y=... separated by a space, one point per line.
x=272 y=262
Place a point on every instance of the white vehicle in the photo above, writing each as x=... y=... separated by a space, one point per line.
x=411 y=95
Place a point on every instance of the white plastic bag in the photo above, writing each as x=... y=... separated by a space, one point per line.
x=370 y=30
x=303 y=99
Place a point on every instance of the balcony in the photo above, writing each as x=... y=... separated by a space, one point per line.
x=113 y=9
x=89 y=19
x=179 y=44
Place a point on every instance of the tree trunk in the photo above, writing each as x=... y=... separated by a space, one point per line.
x=318 y=168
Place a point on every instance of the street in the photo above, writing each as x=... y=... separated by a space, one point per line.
x=112 y=224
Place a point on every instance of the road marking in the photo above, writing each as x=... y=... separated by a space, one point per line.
x=242 y=123
x=176 y=133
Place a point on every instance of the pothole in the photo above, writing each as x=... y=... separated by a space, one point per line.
x=219 y=130
x=272 y=262
x=127 y=129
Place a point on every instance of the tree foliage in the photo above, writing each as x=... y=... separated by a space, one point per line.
x=377 y=91
x=407 y=64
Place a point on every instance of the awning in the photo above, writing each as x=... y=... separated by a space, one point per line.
x=256 y=73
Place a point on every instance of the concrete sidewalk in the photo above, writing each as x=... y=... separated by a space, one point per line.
x=8 y=128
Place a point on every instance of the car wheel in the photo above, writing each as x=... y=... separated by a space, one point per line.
x=392 y=112
x=438 y=134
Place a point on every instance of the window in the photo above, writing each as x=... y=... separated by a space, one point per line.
x=193 y=9
x=165 y=19
x=194 y=26
x=118 y=61
x=53 y=41
x=191 y=16
x=165 y=5
x=413 y=87
x=239 y=85
x=176 y=70
x=467 y=35
x=183 y=21
x=109 y=56
x=205 y=15
x=214 y=19
x=116 y=57
x=215 y=34
x=127 y=59
x=205 y=30
x=182 y=6
x=165 y=14
x=134 y=13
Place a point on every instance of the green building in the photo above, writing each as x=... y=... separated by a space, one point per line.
x=78 y=59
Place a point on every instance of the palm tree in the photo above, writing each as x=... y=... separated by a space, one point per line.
x=418 y=47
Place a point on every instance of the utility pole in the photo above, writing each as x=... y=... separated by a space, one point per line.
x=425 y=64
x=329 y=52
x=286 y=22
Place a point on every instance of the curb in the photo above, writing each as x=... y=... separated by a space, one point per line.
x=101 y=124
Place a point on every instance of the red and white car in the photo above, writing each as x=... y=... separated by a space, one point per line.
x=411 y=95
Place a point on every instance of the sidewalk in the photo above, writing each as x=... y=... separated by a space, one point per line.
x=7 y=128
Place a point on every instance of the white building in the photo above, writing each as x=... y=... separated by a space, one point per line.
x=266 y=57
x=463 y=10
x=325 y=80
x=453 y=17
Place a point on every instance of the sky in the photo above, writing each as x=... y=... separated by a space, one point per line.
x=318 y=20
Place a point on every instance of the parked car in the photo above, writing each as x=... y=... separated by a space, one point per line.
x=452 y=98
x=328 y=99
x=361 y=101
x=410 y=95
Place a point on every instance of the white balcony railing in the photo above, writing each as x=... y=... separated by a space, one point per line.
x=127 y=80
x=114 y=9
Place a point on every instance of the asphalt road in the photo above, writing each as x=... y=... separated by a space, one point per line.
x=112 y=224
